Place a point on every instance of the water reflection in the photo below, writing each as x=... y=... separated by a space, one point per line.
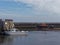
x=33 y=38
x=4 y=40
x=11 y=40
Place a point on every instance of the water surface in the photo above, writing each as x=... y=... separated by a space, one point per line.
x=33 y=38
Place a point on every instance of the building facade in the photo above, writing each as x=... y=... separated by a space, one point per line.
x=1 y=24
x=8 y=24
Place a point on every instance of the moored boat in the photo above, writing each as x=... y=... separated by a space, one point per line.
x=15 y=32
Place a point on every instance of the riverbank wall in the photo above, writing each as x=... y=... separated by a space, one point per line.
x=37 y=26
x=28 y=26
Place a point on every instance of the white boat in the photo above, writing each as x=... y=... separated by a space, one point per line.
x=15 y=32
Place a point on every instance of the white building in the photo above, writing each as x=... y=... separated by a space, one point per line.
x=8 y=24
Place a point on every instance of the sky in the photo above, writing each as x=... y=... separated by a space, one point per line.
x=30 y=10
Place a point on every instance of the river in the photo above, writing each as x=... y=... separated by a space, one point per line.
x=32 y=38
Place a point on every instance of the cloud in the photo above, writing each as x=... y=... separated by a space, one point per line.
x=26 y=1
x=34 y=10
x=49 y=5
